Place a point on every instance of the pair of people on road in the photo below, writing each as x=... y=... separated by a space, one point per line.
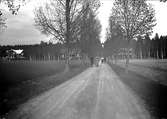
x=97 y=62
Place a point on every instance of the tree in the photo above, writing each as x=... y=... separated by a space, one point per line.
x=163 y=40
x=13 y=5
x=147 y=46
x=140 y=47
x=163 y=0
x=136 y=17
x=2 y=22
x=60 y=18
x=156 y=45
x=114 y=38
x=89 y=32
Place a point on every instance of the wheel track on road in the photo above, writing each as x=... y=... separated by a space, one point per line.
x=73 y=95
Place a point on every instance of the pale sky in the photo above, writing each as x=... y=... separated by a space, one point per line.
x=21 y=28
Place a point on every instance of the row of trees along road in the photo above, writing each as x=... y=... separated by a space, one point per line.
x=61 y=19
x=129 y=19
x=145 y=47
x=14 y=6
x=89 y=33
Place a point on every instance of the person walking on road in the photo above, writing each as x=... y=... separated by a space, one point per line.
x=91 y=61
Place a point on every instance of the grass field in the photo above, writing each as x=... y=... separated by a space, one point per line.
x=155 y=70
x=22 y=80
x=148 y=79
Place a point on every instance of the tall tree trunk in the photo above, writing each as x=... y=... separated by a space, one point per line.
x=127 y=57
x=165 y=53
x=141 y=54
x=157 y=54
x=30 y=58
x=162 y=54
x=127 y=60
x=149 y=52
x=49 y=57
x=67 y=34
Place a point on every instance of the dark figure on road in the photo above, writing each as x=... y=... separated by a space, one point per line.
x=104 y=59
x=91 y=61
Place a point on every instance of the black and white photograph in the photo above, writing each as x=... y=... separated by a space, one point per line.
x=83 y=59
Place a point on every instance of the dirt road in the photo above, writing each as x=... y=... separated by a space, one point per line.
x=97 y=93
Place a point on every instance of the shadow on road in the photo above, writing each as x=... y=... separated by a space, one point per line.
x=153 y=93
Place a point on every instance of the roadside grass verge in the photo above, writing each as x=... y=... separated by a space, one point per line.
x=153 y=70
x=20 y=81
x=152 y=93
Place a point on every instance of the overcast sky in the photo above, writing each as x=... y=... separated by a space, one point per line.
x=21 y=28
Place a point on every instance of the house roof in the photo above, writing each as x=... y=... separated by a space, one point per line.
x=19 y=51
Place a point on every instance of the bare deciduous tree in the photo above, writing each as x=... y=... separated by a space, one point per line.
x=14 y=5
x=89 y=32
x=2 y=22
x=60 y=18
x=136 y=17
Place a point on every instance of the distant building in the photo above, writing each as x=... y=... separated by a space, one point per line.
x=14 y=54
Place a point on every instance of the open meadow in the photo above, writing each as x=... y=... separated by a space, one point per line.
x=153 y=69
x=22 y=80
